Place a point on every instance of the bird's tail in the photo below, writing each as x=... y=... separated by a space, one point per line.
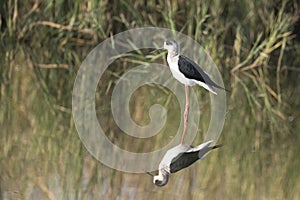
x=211 y=87
x=219 y=87
x=203 y=152
x=206 y=86
x=217 y=146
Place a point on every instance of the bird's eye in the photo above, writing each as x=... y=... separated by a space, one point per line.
x=168 y=42
x=158 y=183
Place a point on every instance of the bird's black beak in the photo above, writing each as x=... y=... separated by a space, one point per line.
x=157 y=50
x=150 y=174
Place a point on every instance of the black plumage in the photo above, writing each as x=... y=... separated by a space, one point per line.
x=183 y=160
x=193 y=71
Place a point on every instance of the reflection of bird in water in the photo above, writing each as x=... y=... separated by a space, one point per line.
x=178 y=158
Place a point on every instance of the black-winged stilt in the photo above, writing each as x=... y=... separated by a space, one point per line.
x=178 y=158
x=188 y=73
x=186 y=70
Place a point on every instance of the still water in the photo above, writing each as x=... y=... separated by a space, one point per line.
x=42 y=156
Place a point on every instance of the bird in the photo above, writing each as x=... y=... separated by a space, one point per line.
x=178 y=158
x=185 y=70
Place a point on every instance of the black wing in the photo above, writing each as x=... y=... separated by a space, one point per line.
x=183 y=160
x=192 y=70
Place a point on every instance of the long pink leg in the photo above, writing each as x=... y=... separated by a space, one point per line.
x=186 y=113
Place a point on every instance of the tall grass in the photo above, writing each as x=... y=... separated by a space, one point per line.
x=256 y=46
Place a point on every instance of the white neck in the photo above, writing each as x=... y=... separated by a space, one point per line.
x=172 y=52
x=171 y=58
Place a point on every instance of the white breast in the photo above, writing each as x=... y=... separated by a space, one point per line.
x=172 y=153
x=173 y=64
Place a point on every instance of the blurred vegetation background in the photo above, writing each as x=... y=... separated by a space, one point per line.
x=255 y=44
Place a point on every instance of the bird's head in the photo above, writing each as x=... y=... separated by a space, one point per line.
x=161 y=179
x=171 y=46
